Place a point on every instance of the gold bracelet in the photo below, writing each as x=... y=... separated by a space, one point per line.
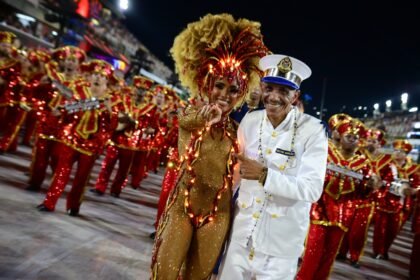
x=263 y=176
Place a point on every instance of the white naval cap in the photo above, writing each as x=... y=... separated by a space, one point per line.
x=284 y=70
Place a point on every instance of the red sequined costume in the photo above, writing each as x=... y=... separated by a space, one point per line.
x=146 y=121
x=171 y=136
x=410 y=172
x=171 y=173
x=355 y=239
x=33 y=98
x=388 y=211
x=415 y=253
x=9 y=70
x=124 y=144
x=332 y=215
x=157 y=143
x=48 y=98
x=82 y=140
x=11 y=115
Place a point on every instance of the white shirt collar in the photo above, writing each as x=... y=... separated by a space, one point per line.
x=284 y=123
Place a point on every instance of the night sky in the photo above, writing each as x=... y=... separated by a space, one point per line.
x=367 y=53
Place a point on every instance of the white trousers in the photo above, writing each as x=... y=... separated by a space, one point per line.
x=238 y=266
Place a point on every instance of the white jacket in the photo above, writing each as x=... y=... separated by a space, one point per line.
x=283 y=222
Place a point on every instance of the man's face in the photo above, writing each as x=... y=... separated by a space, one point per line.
x=98 y=82
x=27 y=68
x=372 y=144
x=70 y=64
x=5 y=50
x=160 y=99
x=17 y=43
x=255 y=96
x=399 y=155
x=349 y=141
x=335 y=135
x=140 y=94
x=278 y=99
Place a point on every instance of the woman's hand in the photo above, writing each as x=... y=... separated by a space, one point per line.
x=211 y=113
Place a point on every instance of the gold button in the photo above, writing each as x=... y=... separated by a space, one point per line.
x=282 y=167
x=274 y=134
x=256 y=215
x=269 y=151
x=274 y=216
x=243 y=205
x=258 y=200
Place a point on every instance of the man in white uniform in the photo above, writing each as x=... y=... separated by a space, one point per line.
x=282 y=166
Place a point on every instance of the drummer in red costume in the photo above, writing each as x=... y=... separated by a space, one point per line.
x=348 y=178
x=415 y=253
x=150 y=124
x=10 y=86
x=355 y=238
x=171 y=133
x=34 y=95
x=333 y=122
x=163 y=101
x=83 y=135
x=124 y=144
x=32 y=71
x=171 y=172
x=407 y=172
x=9 y=71
x=62 y=70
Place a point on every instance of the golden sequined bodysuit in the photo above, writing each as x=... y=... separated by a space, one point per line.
x=197 y=217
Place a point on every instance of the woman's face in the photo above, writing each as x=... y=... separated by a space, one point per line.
x=225 y=94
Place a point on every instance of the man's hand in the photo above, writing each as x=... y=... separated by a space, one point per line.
x=108 y=105
x=124 y=118
x=150 y=130
x=25 y=107
x=407 y=190
x=249 y=169
x=45 y=80
x=374 y=182
x=55 y=112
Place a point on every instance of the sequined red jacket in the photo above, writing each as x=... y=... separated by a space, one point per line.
x=342 y=192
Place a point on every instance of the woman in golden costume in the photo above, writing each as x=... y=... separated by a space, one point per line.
x=216 y=59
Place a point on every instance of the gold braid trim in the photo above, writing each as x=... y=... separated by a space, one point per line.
x=330 y=224
x=372 y=204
